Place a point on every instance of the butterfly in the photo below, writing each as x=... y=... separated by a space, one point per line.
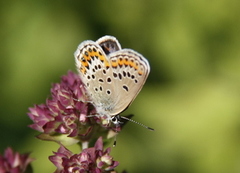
x=112 y=76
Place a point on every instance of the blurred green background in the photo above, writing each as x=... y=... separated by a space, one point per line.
x=191 y=98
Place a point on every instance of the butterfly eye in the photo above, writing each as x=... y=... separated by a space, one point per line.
x=116 y=120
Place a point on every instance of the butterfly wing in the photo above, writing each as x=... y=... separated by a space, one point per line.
x=130 y=71
x=95 y=71
x=109 y=44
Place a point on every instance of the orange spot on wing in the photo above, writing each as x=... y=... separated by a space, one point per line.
x=114 y=64
x=107 y=64
x=83 y=70
x=125 y=61
x=135 y=66
x=84 y=63
x=140 y=72
x=132 y=64
x=120 y=62
x=87 y=58
x=102 y=58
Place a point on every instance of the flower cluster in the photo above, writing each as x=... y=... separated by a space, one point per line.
x=61 y=113
x=14 y=162
x=68 y=118
x=92 y=159
x=65 y=115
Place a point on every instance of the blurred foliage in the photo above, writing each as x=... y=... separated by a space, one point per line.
x=191 y=98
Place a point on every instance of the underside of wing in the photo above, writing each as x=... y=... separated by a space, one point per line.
x=109 y=44
x=94 y=69
x=130 y=71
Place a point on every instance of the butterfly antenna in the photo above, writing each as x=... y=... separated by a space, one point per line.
x=128 y=119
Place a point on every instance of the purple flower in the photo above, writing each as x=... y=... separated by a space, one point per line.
x=93 y=159
x=64 y=117
x=14 y=162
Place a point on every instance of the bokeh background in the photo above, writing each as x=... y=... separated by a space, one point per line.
x=191 y=98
